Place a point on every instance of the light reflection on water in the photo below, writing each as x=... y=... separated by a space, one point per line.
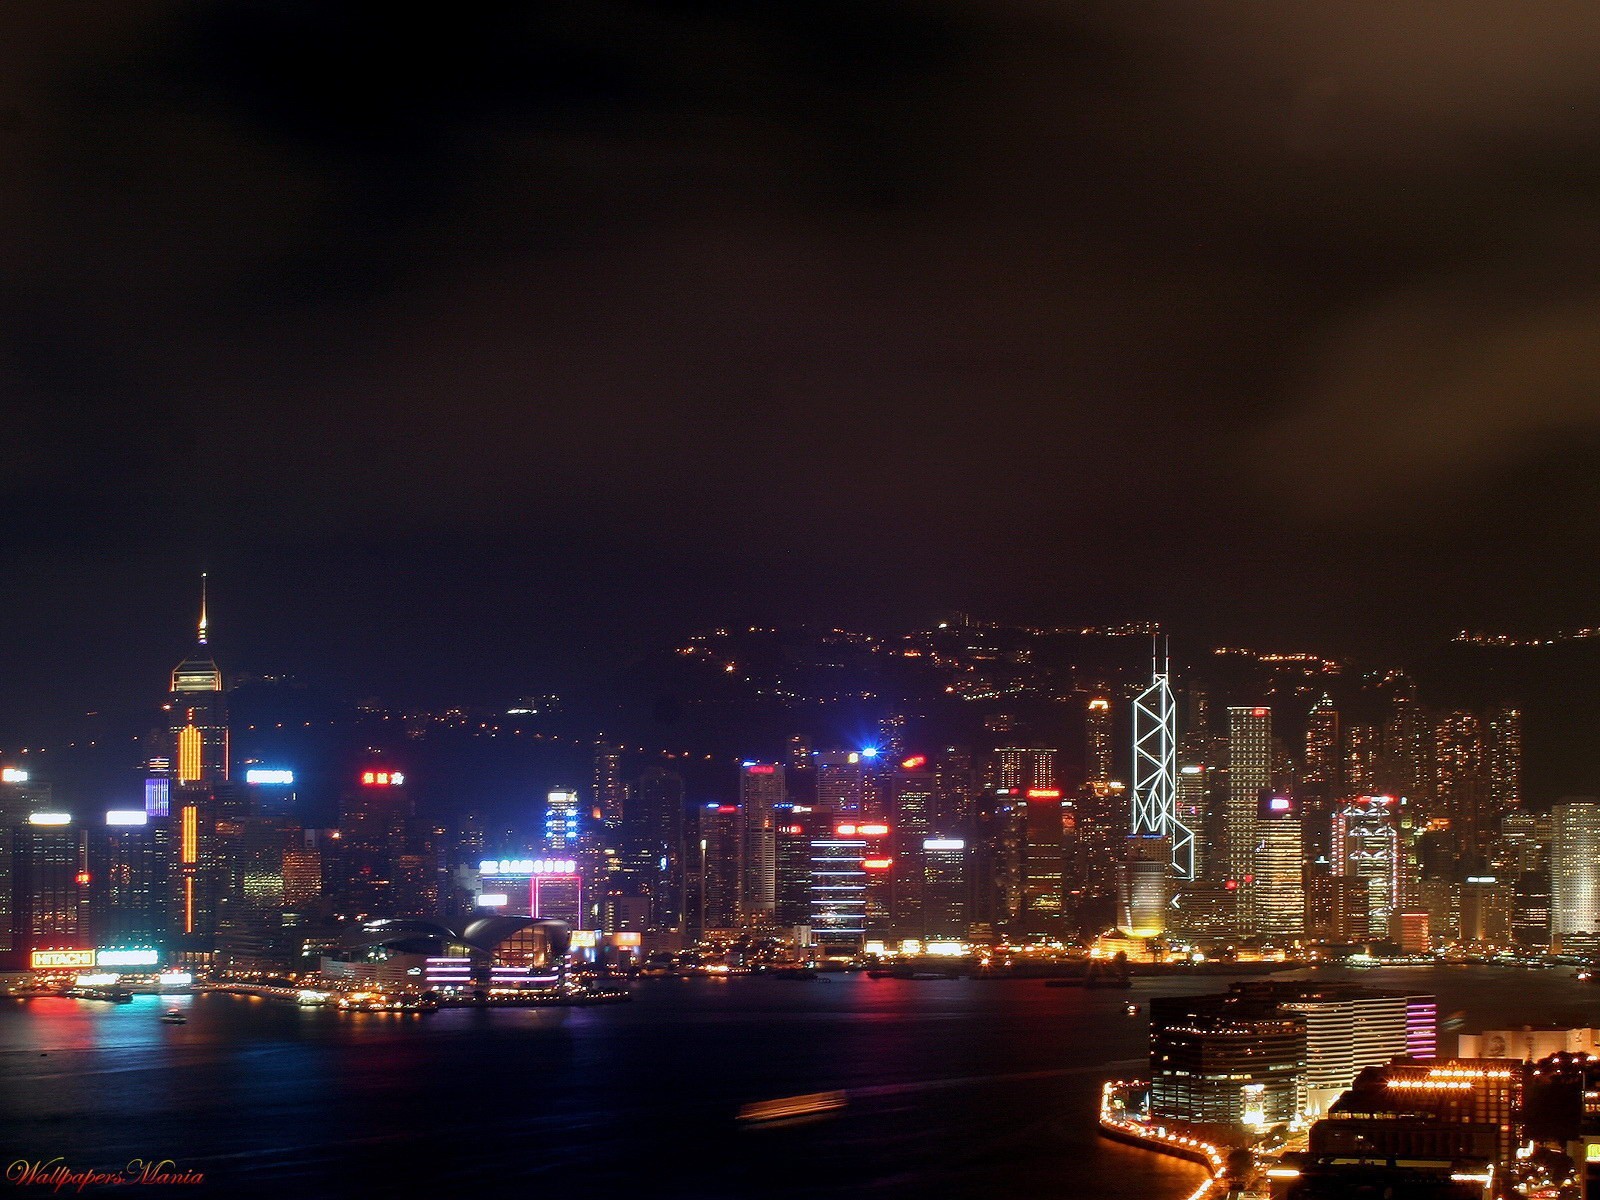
x=959 y=1087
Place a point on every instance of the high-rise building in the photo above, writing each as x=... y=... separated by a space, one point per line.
x=955 y=788
x=1043 y=816
x=797 y=825
x=610 y=792
x=839 y=885
x=1486 y=906
x=1280 y=901
x=373 y=817
x=52 y=897
x=1405 y=762
x=197 y=714
x=841 y=781
x=1461 y=782
x=128 y=881
x=1249 y=777
x=1321 y=780
x=1503 y=750
x=1022 y=768
x=1360 y=760
x=1144 y=887
x=1575 y=875
x=1226 y=1060
x=946 y=889
x=1191 y=804
x=1155 y=773
x=1097 y=738
x=1530 y=911
x=1366 y=846
x=653 y=823
x=761 y=795
x=563 y=821
x=719 y=866
x=1336 y=908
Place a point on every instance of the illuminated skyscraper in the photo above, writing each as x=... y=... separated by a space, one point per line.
x=1249 y=777
x=1461 y=782
x=1360 y=760
x=1155 y=772
x=1043 y=815
x=1366 y=845
x=562 y=821
x=1280 y=899
x=718 y=866
x=610 y=793
x=761 y=794
x=1575 y=875
x=1097 y=737
x=841 y=785
x=1022 y=769
x=1503 y=746
x=1322 y=774
x=197 y=714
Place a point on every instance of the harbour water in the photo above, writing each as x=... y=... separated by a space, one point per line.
x=954 y=1088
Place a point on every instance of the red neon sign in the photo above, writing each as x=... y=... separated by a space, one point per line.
x=1260 y=712
x=872 y=830
x=761 y=769
x=382 y=778
x=876 y=864
x=915 y=761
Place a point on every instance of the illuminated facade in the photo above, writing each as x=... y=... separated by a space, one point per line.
x=1226 y=1060
x=1155 y=773
x=1097 y=738
x=1366 y=846
x=1280 y=908
x=562 y=821
x=1575 y=875
x=197 y=714
x=761 y=795
x=1249 y=777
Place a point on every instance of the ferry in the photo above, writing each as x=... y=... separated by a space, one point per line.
x=174 y=1016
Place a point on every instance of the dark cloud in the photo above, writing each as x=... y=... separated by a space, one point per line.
x=662 y=313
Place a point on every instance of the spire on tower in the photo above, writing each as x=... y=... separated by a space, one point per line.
x=202 y=608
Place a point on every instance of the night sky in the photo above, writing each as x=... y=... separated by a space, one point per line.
x=473 y=351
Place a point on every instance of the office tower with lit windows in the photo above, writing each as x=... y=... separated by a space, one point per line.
x=1144 y=887
x=1461 y=783
x=955 y=789
x=1485 y=909
x=718 y=867
x=610 y=792
x=374 y=813
x=1575 y=875
x=1098 y=740
x=128 y=886
x=946 y=890
x=1405 y=762
x=1043 y=818
x=1336 y=908
x=761 y=796
x=1021 y=769
x=1366 y=846
x=563 y=821
x=841 y=782
x=654 y=824
x=1190 y=802
x=849 y=866
x=1322 y=778
x=1503 y=752
x=20 y=797
x=1360 y=760
x=1228 y=1060
x=798 y=753
x=913 y=801
x=52 y=896
x=1280 y=899
x=797 y=825
x=1249 y=777
x=1530 y=910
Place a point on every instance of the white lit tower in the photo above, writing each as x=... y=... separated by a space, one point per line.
x=1155 y=770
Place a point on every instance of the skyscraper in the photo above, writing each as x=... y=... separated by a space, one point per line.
x=1575 y=874
x=197 y=713
x=761 y=794
x=610 y=792
x=1280 y=901
x=1097 y=739
x=1503 y=747
x=562 y=821
x=1021 y=768
x=1249 y=777
x=1366 y=846
x=1155 y=772
x=841 y=785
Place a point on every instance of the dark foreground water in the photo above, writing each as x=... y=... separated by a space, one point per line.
x=957 y=1088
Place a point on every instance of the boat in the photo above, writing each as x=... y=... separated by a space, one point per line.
x=174 y=1016
x=1131 y=1009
